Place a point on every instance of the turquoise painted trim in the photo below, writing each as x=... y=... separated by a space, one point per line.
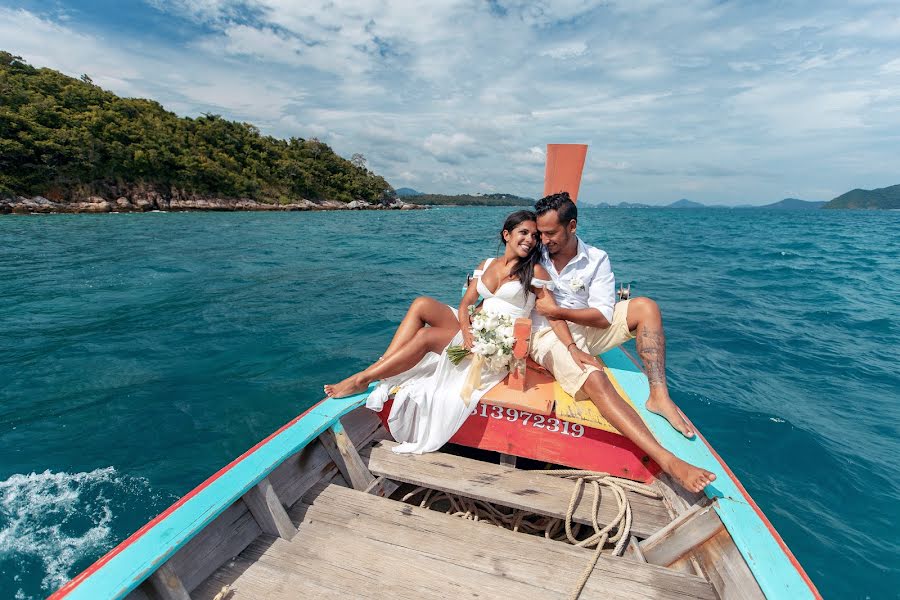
x=126 y=570
x=776 y=575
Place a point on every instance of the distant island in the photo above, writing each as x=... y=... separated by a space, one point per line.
x=882 y=198
x=465 y=199
x=66 y=145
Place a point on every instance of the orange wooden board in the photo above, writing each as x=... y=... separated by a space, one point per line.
x=537 y=398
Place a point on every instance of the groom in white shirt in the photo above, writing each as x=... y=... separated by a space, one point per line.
x=584 y=296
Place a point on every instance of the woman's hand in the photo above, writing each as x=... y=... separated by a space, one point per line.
x=468 y=338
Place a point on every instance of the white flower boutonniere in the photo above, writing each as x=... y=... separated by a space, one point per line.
x=576 y=284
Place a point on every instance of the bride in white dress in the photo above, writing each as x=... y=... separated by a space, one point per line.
x=428 y=407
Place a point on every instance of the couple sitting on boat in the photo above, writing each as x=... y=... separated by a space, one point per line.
x=567 y=287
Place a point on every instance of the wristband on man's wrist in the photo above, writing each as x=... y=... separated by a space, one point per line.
x=569 y=347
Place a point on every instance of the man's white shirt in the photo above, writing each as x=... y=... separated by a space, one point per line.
x=586 y=282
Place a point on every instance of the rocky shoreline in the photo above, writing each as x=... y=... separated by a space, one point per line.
x=156 y=202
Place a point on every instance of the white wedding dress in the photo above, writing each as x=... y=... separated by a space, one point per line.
x=428 y=408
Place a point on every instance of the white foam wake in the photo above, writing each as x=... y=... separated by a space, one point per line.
x=52 y=520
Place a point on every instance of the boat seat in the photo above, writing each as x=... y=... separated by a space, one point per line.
x=584 y=411
x=515 y=488
x=537 y=397
x=544 y=396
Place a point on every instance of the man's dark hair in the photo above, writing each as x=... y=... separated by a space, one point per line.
x=561 y=203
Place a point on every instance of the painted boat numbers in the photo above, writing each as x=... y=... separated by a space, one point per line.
x=526 y=419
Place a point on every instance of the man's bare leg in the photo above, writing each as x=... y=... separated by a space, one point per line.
x=645 y=319
x=423 y=311
x=624 y=418
x=427 y=339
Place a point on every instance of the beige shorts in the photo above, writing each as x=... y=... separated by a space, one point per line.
x=550 y=353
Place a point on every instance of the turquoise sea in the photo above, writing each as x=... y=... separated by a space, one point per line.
x=139 y=353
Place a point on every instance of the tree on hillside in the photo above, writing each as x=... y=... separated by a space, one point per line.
x=64 y=138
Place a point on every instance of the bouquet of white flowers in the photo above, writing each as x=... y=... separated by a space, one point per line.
x=494 y=341
x=492 y=349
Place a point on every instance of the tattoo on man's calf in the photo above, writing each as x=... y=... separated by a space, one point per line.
x=651 y=346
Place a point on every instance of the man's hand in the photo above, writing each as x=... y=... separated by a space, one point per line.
x=546 y=305
x=583 y=359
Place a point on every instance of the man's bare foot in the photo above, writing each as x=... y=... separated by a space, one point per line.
x=692 y=478
x=352 y=385
x=660 y=403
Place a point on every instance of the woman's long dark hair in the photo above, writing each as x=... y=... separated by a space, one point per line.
x=524 y=269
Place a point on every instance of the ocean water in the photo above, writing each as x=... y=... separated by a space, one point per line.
x=139 y=353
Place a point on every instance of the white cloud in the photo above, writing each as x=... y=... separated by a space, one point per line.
x=452 y=148
x=891 y=67
x=566 y=51
x=672 y=97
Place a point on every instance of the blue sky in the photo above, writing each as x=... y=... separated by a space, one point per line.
x=720 y=102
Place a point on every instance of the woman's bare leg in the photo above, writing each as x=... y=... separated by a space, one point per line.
x=423 y=311
x=425 y=340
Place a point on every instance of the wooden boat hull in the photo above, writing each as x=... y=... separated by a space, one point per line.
x=551 y=440
x=725 y=532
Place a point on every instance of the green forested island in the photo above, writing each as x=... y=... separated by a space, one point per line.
x=67 y=140
x=469 y=200
x=887 y=198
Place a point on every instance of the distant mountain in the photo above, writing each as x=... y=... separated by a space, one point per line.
x=884 y=198
x=471 y=200
x=405 y=192
x=685 y=203
x=793 y=204
x=622 y=205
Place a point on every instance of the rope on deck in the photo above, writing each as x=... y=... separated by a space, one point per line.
x=529 y=522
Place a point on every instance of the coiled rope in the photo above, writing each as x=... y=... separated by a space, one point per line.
x=529 y=522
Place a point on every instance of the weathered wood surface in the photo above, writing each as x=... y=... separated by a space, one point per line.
x=718 y=558
x=541 y=494
x=138 y=593
x=353 y=544
x=268 y=511
x=164 y=584
x=344 y=454
x=300 y=472
x=382 y=486
x=219 y=541
x=508 y=460
x=633 y=550
x=727 y=570
x=235 y=528
x=686 y=532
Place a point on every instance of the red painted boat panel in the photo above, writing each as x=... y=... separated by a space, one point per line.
x=548 y=439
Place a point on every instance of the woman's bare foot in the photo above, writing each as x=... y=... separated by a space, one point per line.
x=352 y=385
x=660 y=403
x=692 y=478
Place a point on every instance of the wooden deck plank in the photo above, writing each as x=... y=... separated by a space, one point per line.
x=283 y=571
x=545 y=564
x=681 y=536
x=541 y=494
x=352 y=544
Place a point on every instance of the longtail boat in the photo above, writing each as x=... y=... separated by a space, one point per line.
x=536 y=496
